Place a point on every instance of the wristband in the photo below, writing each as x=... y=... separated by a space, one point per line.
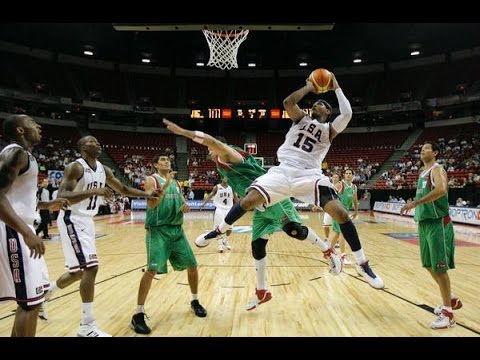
x=199 y=137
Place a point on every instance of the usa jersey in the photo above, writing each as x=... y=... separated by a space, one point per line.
x=90 y=179
x=224 y=197
x=306 y=144
x=22 y=195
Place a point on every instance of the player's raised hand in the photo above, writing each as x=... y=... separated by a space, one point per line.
x=173 y=127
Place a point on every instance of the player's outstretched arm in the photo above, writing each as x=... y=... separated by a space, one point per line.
x=221 y=149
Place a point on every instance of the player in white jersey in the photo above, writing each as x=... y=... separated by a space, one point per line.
x=223 y=199
x=85 y=181
x=300 y=173
x=23 y=272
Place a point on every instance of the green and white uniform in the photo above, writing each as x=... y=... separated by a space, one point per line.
x=435 y=228
x=165 y=237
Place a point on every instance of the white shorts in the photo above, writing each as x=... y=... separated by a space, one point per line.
x=220 y=214
x=283 y=182
x=22 y=278
x=327 y=219
x=78 y=240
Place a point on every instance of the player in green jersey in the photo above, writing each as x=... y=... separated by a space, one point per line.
x=347 y=194
x=165 y=239
x=435 y=231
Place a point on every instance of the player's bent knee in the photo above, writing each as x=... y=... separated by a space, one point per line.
x=252 y=200
x=296 y=230
x=259 y=249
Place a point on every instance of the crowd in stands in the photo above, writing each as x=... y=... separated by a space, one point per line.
x=55 y=154
x=201 y=169
x=460 y=157
x=137 y=166
x=362 y=170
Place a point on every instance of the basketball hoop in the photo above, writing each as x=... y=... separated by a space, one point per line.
x=224 y=46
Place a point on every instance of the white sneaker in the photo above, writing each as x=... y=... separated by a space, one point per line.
x=227 y=244
x=455 y=303
x=43 y=313
x=261 y=296
x=366 y=271
x=444 y=320
x=334 y=261
x=204 y=239
x=91 y=330
x=345 y=259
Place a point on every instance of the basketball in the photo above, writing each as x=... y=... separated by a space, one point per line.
x=321 y=80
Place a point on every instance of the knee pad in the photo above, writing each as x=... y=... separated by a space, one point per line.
x=27 y=307
x=258 y=248
x=296 y=230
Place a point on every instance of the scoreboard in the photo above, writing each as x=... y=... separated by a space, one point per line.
x=252 y=113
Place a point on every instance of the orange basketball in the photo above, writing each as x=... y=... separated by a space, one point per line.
x=321 y=79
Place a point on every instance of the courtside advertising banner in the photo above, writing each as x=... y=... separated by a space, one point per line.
x=470 y=216
x=141 y=204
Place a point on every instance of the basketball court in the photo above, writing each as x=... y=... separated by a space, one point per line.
x=307 y=300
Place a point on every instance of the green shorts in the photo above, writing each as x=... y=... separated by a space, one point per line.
x=273 y=219
x=437 y=248
x=168 y=243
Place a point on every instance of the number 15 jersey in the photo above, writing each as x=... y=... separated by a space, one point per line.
x=306 y=144
x=90 y=179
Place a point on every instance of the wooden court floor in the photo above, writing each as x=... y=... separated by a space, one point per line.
x=307 y=300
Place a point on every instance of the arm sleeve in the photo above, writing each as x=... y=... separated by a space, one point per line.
x=342 y=120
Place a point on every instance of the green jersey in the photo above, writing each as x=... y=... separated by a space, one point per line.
x=167 y=211
x=432 y=210
x=241 y=175
x=346 y=194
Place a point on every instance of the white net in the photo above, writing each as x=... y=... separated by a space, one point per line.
x=224 y=46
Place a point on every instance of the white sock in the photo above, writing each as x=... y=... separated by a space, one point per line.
x=223 y=227
x=53 y=287
x=359 y=256
x=315 y=240
x=194 y=296
x=140 y=309
x=261 y=270
x=87 y=313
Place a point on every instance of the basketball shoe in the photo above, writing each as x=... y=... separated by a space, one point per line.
x=138 y=324
x=198 y=309
x=366 y=271
x=444 y=320
x=335 y=262
x=205 y=238
x=91 y=330
x=455 y=303
x=261 y=296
